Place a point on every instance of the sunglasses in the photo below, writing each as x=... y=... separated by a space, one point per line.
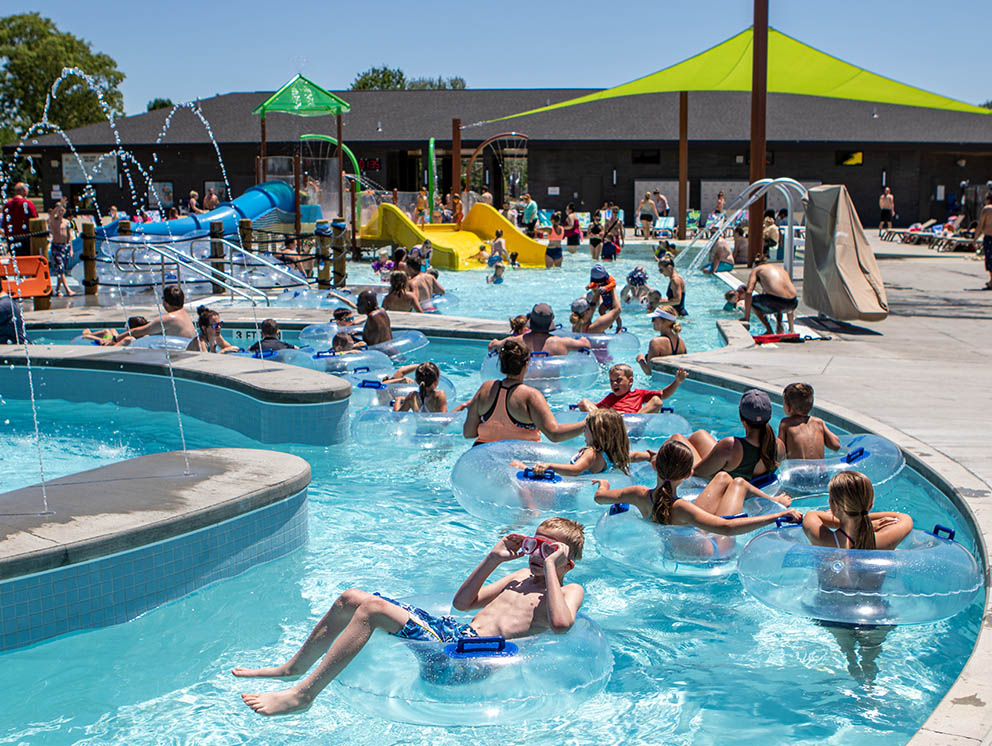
x=535 y=544
x=218 y=325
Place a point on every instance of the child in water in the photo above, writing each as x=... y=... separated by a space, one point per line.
x=723 y=496
x=607 y=447
x=805 y=437
x=427 y=397
x=496 y=278
x=529 y=601
x=624 y=398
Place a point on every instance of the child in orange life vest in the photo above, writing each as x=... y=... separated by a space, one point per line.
x=603 y=291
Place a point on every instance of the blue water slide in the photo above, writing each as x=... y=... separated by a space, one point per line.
x=252 y=205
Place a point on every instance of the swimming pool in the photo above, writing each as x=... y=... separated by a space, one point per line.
x=693 y=663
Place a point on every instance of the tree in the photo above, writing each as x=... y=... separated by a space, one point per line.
x=32 y=54
x=380 y=79
x=436 y=84
x=159 y=103
x=987 y=104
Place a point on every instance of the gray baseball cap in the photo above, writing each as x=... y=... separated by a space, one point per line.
x=755 y=406
x=541 y=317
x=580 y=306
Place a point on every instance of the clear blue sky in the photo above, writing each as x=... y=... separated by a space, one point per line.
x=186 y=50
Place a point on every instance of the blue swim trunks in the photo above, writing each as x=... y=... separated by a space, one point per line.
x=493 y=260
x=425 y=627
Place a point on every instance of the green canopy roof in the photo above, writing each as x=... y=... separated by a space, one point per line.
x=304 y=98
x=793 y=67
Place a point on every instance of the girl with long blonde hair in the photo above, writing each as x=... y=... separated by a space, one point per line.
x=850 y=524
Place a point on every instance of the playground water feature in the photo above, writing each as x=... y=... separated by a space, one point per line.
x=693 y=662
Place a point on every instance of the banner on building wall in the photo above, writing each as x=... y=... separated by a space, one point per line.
x=101 y=168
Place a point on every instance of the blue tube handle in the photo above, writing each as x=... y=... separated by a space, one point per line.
x=736 y=515
x=784 y=520
x=558 y=327
x=585 y=350
x=325 y=353
x=573 y=406
x=548 y=475
x=362 y=369
x=468 y=644
x=367 y=384
x=538 y=354
x=259 y=354
x=618 y=508
x=949 y=531
x=621 y=329
x=764 y=480
x=858 y=454
x=668 y=409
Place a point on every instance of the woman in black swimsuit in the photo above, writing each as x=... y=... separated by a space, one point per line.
x=676 y=285
x=756 y=454
x=668 y=342
x=595 y=235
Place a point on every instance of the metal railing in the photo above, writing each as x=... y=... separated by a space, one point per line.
x=244 y=252
x=787 y=187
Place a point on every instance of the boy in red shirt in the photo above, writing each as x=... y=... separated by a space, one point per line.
x=626 y=400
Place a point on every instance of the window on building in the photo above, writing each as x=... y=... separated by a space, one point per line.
x=645 y=157
x=849 y=158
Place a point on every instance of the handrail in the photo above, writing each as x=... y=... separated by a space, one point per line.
x=271 y=265
x=204 y=270
x=786 y=187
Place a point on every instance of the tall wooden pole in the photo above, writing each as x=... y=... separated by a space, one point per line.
x=683 y=162
x=264 y=169
x=456 y=158
x=340 y=170
x=759 y=100
x=296 y=200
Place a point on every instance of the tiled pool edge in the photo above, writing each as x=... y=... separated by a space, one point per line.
x=219 y=524
x=964 y=715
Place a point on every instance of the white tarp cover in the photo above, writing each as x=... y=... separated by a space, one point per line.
x=841 y=278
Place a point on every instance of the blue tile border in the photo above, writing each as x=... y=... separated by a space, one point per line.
x=119 y=587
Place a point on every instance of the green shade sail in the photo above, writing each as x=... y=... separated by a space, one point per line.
x=304 y=98
x=793 y=67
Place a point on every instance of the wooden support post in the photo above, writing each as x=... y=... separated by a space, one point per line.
x=339 y=258
x=456 y=158
x=323 y=231
x=263 y=167
x=296 y=200
x=355 y=227
x=217 y=252
x=340 y=170
x=90 y=278
x=244 y=228
x=759 y=99
x=38 y=246
x=683 y=163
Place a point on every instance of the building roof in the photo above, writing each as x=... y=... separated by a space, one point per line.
x=415 y=116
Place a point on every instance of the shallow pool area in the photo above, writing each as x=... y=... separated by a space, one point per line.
x=694 y=662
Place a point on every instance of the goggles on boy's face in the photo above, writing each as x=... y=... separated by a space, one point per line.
x=537 y=545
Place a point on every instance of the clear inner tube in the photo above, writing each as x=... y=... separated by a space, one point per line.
x=640 y=427
x=368 y=391
x=424 y=430
x=552 y=374
x=159 y=342
x=926 y=578
x=877 y=458
x=432 y=683
x=608 y=349
x=402 y=343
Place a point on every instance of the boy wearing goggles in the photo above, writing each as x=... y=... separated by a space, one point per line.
x=528 y=601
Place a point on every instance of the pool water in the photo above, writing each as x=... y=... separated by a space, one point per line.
x=693 y=662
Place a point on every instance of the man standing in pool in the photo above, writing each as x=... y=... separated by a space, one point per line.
x=377 y=326
x=526 y=602
x=778 y=295
x=540 y=339
x=174 y=322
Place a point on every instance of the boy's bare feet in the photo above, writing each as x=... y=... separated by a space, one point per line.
x=277 y=703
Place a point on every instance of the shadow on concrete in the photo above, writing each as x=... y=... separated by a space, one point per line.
x=826 y=324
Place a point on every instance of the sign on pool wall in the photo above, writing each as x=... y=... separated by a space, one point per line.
x=101 y=167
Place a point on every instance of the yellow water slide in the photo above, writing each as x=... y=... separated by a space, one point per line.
x=452 y=248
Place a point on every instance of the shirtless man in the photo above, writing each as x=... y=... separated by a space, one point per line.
x=539 y=338
x=886 y=209
x=211 y=201
x=984 y=230
x=175 y=322
x=60 y=251
x=377 y=327
x=805 y=437
x=526 y=602
x=424 y=285
x=778 y=295
x=721 y=258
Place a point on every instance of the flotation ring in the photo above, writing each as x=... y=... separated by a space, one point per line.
x=477 y=680
x=402 y=343
x=369 y=391
x=764 y=339
x=656 y=426
x=877 y=458
x=441 y=303
x=624 y=536
x=487 y=486
x=644 y=473
x=158 y=342
x=338 y=362
x=86 y=341
x=319 y=336
x=926 y=578
x=427 y=430
x=608 y=348
x=551 y=374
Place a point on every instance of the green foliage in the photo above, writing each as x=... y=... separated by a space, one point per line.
x=32 y=54
x=436 y=84
x=380 y=79
x=159 y=103
x=393 y=79
x=987 y=104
